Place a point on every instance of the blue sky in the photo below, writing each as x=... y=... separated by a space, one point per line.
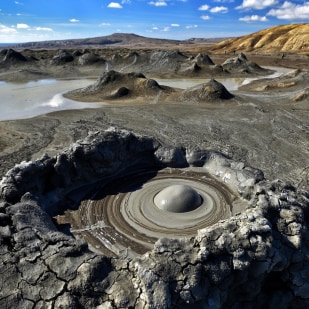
x=37 y=20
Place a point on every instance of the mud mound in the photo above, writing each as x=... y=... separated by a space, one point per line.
x=284 y=38
x=257 y=258
x=62 y=57
x=200 y=65
x=192 y=70
x=120 y=62
x=241 y=64
x=114 y=85
x=203 y=59
x=10 y=56
x=89 y=59
x=161 y=61
x=208 y=92
x=169 y=57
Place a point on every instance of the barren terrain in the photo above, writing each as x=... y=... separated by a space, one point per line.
x=265 y=126
x=84 y=172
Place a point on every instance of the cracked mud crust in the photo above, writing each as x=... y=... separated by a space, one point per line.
x=257 y=257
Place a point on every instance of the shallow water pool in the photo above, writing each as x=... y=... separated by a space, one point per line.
x=26 y=100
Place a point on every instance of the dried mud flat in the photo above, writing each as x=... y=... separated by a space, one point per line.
x=257 y=258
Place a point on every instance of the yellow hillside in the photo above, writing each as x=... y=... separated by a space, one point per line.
x=286 y=38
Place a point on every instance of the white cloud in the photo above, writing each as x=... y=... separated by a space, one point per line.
x=165 y=29
x=5 y=29
x=155 y=28
x=158 y=3
x=175 y=25
x=253 y=18
x=22 y=26
x=114 y=5
x=256 y=4
x=191 y=26
x=43 y=29
x=219 y=9
x=204 y=7
x=74 y=20
x=105 y=25
x=291 y=10
x=18 y=3
x=205 y=17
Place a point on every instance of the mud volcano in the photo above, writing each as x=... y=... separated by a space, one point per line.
x=113 y=85
x=133 y=212
x=165 y=227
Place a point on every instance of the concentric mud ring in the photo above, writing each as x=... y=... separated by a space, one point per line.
x=123 y=214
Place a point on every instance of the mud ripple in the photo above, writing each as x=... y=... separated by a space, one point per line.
x=123 y=214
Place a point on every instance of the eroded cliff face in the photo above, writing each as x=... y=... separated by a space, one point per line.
x=257 y=257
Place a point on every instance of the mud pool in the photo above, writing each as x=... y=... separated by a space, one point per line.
x=26 y=100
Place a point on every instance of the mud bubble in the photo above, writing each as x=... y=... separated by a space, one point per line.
x=135 y=211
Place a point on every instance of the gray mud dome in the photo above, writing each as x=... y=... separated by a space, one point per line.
x=256 y=258
x=113 y=85
x=241 y=64
x=211 y=91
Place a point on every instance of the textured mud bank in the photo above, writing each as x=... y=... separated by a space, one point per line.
x=257 y=258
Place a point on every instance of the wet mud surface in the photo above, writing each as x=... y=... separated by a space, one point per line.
x=123 y=215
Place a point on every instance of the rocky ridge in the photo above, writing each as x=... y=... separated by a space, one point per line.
x=257 y=258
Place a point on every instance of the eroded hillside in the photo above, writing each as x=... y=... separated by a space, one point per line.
x=286 y=38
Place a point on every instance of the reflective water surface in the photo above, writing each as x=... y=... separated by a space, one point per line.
x=230 y=84
x=26 y=100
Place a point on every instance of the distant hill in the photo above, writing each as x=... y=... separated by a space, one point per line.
x=286 y=38
x=7 y=45
x=116 y=39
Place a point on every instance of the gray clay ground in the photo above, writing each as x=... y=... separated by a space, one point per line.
x=264 y=126
x=256 y=259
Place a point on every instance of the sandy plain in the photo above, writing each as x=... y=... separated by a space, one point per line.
x=266 y=129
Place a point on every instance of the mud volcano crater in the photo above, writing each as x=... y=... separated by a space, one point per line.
x=133 y=211
x=153 y=226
